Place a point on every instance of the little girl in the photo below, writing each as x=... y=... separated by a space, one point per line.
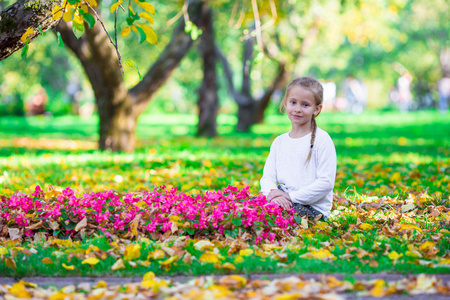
x=301 y=167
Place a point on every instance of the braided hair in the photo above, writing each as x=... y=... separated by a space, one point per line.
x=316 y=89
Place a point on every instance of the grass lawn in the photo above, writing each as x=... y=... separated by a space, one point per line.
x=391 y=210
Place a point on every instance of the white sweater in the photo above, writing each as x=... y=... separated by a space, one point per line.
x=307 y=184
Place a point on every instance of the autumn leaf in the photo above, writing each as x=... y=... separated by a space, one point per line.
x=47 y=261
x=125 y=31
x=148 y=276
x=233 y=281
x=132 y=251
x=115 y=6
x=19 y=290
x=288 y=296
x=168 y=261
x=147 y=6
x=409 y=226
x=204 y=245
x=246 y=252
x=378 y=290
x=426 y=245
x=118 y=265
x=82 y=224
x=146 y=16
x=239 y=259
x=393 y=255
x=209 y=257
x=365 y=226
x=3 y=250
x=157 y=254
x=70 y=267
x=28 y=32
x=229 y=266
x=322 y=254
x=150 y=34
x=92 y=261
x=57 y=13
x=92 y=3
x=10 y=263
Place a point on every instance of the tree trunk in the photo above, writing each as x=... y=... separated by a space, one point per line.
x=208 y=101
x=263 y=103
x=247 y=105
x=17 y=18
x=250 y=110
x=119 y=108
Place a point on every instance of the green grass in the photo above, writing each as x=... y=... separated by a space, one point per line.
x=379 y=155
x=406 y=143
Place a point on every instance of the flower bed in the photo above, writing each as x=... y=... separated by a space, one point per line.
x=227 y=212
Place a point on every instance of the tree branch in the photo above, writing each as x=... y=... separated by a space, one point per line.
x=238 y=97
x=168 y=60
x=17 y=18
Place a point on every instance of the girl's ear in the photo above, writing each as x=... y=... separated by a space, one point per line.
x=317 y=110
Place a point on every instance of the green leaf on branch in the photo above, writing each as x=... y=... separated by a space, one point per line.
x=25 y=48
x=89 y=19
x=133 y=65
x=193 y=30
x=130 y=21
x=78 y=29
x=142 y=35
x=40 y=30
x=60 y=41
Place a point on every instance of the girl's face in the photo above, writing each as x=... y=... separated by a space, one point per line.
x=301 y=106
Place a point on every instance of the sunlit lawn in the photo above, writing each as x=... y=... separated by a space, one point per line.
x=391 y=211
x=412 y=149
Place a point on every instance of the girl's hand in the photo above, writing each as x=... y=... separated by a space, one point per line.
x=283 y=202
x=274 y=193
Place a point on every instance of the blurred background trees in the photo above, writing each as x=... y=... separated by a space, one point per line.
x=259 y=46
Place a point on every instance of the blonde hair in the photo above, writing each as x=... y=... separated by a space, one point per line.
x=316 y=89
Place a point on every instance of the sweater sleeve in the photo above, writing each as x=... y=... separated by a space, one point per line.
x=325 y=174
x=269 y=178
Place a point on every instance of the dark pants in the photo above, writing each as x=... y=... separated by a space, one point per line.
x=306 y=210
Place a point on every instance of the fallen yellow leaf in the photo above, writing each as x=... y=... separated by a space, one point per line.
x=132 y=251
x=58 y=296
x=239 y=259
x=228 y=266
x=209 y=257
x=168 y=261
x=293 y=296
x=409 y=226
x=365 y=226
x=3 y=250
x=246 y=252
x=70 y=268
x=149 y=276
x=394 y=255
x=90 y=261
x=322 y=254
x=19 y=290
x=426 y=245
